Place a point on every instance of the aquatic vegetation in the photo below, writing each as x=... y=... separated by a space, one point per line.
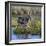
x=29 y=29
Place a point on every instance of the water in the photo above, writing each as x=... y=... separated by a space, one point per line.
x=14 y=36
x=23 y=36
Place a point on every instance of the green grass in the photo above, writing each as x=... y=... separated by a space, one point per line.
x=29 y=29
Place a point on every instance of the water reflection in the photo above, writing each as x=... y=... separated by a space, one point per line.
x=23 y=36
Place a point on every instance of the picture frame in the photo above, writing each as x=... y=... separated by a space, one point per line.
x=23 y=14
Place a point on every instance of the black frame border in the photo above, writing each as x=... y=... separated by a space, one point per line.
x=7 y=14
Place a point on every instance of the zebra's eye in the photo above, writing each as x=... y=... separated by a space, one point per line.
x=20 y=18
x=23 y=19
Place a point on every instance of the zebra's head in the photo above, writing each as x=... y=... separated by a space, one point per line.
x=23 y=20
